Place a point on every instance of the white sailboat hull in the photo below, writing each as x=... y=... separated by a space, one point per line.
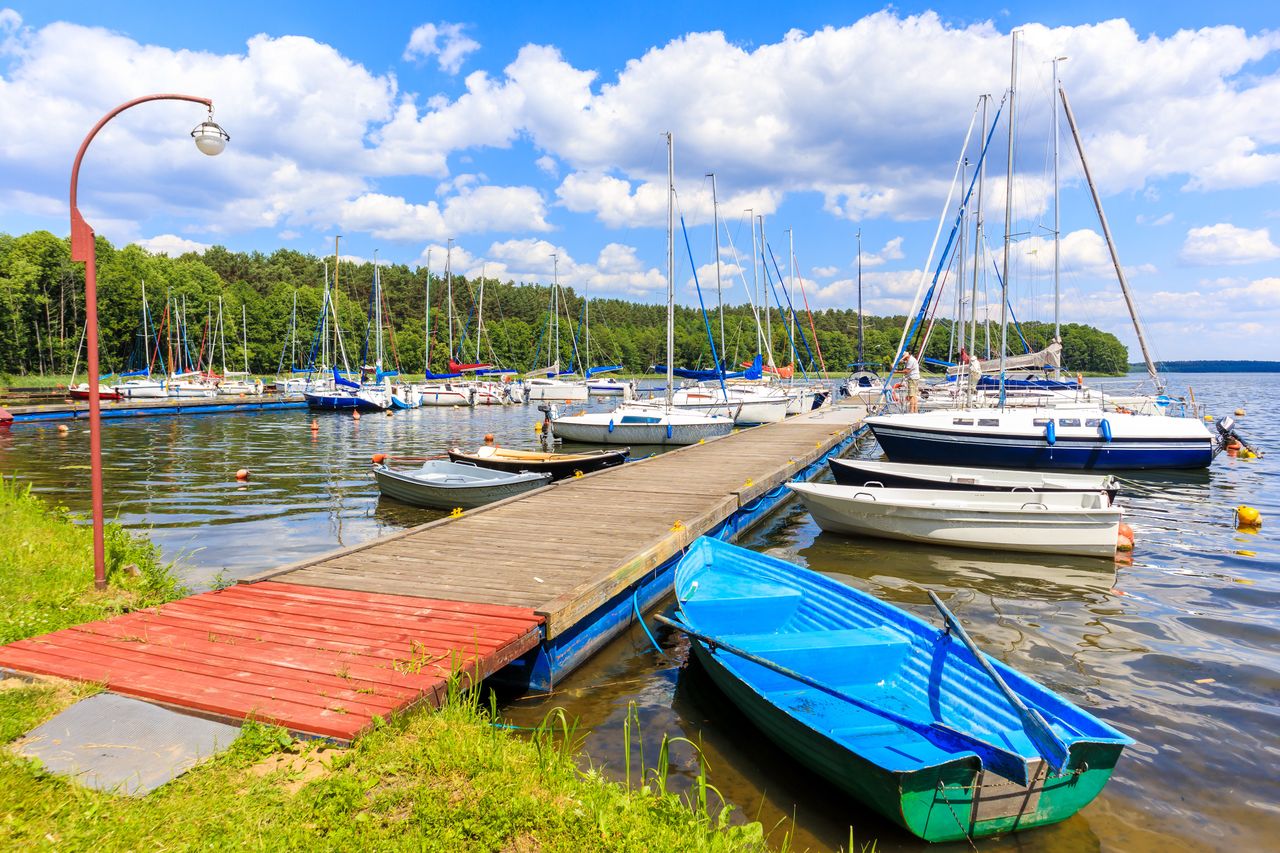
x=140 y=389
x=442 y=395
x=641 y=425
x=1078 y=523
x=569 y=392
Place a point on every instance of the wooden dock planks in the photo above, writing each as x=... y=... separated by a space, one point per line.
x=564 y=550
x=317 y=661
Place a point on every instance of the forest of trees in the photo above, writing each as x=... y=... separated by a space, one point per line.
x=42 y=315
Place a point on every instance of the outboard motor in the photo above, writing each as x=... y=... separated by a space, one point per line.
x=1227 y=432
x=549 y=414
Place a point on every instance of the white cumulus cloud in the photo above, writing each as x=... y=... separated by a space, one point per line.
x=1225 y=243
x=446 y=42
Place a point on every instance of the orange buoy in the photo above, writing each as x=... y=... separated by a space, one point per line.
x=242 y=474
x=315 y=425
x=355 y=415
x=1124 y=538
x=488 y=438
x=379 y=458
x=63 y=429
x=390 y=413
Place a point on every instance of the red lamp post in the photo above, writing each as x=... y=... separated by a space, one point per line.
x=210 y=139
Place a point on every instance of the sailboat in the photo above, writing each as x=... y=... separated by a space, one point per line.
x=138 y=384
x=631 y=424
x=236 y=383
x=551 y=384
x=863 y=385
x=440 y=390
x=342 y=393
x=1085 y=437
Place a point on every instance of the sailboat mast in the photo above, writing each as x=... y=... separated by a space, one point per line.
x=671 y=264
x=791 y=274
x=377 y=314
x=1106 y=232
x=334 y=303
x=426 y=323
x=324 y=320
x=293 y=333
x=555 y=311
x=755 y=278
x=861 y=330
x=956 y=341
x=1057 y=227
x=484 y=270
x=715 y=219
x=1008 y=218
x=586 y=327
x=448 y=291
x=146 y=323
x=222 y=338
x=977 y=242
x=244 y=334
x=768 y=309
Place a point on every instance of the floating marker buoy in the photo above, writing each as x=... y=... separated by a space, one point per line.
x=242 y=474
x=390 y=413
x=355 y=415
x=1247 y=516
x=488 y=438
x=1239 y=413
x=1208 y=417
x=1246 y=453
x=315 y=425
x=63 y=429
x=379 y=458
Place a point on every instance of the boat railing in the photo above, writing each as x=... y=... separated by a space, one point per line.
x=1037 y=505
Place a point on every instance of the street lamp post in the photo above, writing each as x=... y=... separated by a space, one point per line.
x=210 y=139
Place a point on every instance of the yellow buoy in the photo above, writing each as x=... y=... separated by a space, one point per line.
x=1208 y=417
x=1239 y=413
x=1247 y=516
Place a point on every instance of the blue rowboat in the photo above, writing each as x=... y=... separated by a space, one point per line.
x=895 y=712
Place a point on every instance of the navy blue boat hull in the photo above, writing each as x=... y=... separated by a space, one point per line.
x=979 y=450
x=339 y=402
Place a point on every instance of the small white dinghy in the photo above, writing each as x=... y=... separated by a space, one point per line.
x=445 y=485
x=1043 y=522
x=909 y=475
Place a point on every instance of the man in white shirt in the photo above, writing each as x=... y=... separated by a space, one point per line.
x=910 y=365
x=975 y=375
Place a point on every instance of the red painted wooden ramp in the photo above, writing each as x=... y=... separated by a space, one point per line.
x=315 y=660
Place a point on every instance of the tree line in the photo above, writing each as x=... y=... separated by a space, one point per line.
x=42 y=318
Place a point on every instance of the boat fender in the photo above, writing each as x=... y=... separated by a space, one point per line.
x=610 y=424
x=1050 y=434
x=378 y=458
x=1105 y=426
x=1124 y=538
x=1079 y=380
x=668 y=432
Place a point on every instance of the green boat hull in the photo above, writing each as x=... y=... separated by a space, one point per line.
x=947 y=802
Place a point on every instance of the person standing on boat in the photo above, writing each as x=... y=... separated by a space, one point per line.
x=975 y=376
x=910 y=365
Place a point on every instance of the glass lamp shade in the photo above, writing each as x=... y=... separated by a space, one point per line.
x=210 y=138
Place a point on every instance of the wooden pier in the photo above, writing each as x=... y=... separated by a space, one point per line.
x=534 y=584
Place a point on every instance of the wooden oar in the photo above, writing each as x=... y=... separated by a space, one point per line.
x=1008 y=764
x=1048 y=744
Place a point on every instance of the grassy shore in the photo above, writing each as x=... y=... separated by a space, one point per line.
x=447 y=780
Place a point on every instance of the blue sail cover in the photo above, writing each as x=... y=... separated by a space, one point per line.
x=342 y=382
x=755 y=371
x=608 y=368
x=430 y=375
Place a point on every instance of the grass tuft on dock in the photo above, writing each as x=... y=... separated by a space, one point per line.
x=453 y=779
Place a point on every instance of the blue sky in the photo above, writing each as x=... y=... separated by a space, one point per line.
x=525 y=129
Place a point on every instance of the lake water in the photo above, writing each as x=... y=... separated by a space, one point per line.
x=1178 y=649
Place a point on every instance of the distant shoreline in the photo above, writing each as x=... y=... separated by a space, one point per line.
x=1220 y=366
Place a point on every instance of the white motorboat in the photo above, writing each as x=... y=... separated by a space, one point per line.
x=558 y=390
x=633 y=424
x=906 y=475
x=607 y=386
x=441 y=394
x=140 y=389
x=1044 y=522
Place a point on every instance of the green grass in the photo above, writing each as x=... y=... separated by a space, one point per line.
x=454 y=779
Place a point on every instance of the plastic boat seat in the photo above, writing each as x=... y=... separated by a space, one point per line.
x=760 y=610
x=838 y=658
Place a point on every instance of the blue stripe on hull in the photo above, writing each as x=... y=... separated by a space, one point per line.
x=972 y=451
